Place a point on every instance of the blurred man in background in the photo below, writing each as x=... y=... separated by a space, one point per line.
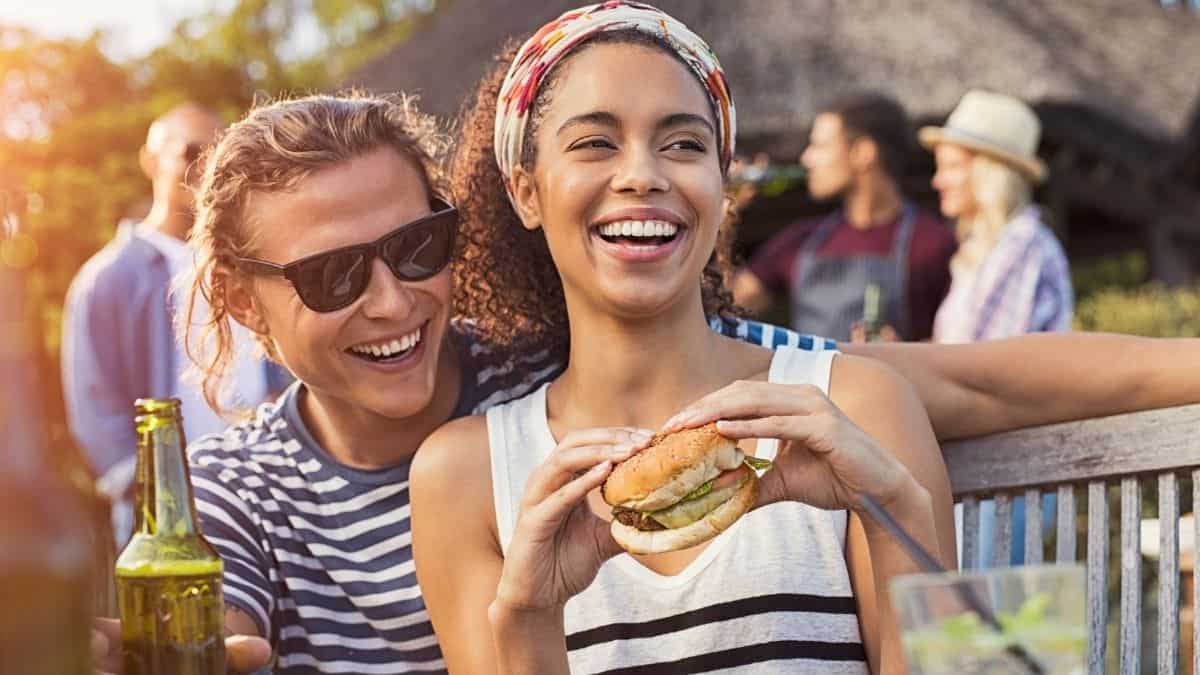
x=119 y=338
x=876 y=240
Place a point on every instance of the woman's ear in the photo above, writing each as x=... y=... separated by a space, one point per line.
x=525 y=198
x=240 y=301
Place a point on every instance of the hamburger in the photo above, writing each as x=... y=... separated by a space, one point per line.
x=683 y=489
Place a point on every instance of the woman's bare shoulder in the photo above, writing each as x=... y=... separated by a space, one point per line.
x=453 y=464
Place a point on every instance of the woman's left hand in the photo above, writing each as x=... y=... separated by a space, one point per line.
x=824 y=460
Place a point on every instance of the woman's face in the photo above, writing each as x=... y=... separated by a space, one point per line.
x=953 y=180
x=341 y=355
x=627 y=183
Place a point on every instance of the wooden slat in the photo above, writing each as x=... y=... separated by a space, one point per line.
x=1110 y=447
x=1168 y=574
x=1195 y=573
x=1131 y=575
x=1097 y=575
x=1033 y=527
x=1065 y=548
x=970 y=547
x=1002 y=532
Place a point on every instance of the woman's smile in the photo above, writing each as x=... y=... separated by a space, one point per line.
x=639 y=235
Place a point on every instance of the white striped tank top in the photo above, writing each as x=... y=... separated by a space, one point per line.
x=771 y=594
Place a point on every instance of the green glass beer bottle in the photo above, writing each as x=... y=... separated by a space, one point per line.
x=168 y=576
x=45 y=592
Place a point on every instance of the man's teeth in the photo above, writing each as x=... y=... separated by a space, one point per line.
x=384 y=350
x=639 y=228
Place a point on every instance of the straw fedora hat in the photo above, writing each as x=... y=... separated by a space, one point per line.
x=996 y=125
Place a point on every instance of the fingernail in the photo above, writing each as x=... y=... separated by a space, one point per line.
x=641 y=435
x=601 y=467
x=621 y=449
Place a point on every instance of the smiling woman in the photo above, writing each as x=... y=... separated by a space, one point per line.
x=500 y=252
x=591 y=179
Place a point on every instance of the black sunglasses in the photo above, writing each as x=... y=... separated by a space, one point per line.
x=329 y=281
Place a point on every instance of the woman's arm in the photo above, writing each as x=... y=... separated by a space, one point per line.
x=885 y=406
x=982 y=388
x=455 y=546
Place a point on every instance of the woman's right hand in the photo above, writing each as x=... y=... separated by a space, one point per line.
x=243 y=653
x=558 y=543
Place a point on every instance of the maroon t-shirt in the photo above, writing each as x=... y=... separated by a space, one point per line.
x=932 y=245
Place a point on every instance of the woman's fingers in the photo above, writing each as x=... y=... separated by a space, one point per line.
x=749 y=398
x=784 y=427
x=579 y=452
x=557 y=506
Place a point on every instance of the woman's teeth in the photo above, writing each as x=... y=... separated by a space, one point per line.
x=639 y=228
x=389 y=349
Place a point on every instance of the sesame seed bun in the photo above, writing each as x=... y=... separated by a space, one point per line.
x=670 y=468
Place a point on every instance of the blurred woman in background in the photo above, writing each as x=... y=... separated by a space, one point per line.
x=1010 y=275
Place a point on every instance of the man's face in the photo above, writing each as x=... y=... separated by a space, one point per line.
x=827 y=158
x=173 y=144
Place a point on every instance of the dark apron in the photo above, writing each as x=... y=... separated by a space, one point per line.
x=827 y=292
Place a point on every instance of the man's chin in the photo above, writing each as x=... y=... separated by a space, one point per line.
x=401 y=405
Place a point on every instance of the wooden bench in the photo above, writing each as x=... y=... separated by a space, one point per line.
x=1092 y=455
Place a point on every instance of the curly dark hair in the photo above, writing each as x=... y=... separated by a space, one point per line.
x=505 y=279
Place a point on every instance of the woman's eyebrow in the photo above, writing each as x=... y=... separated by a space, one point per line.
x=601 y=117
x=686 y=119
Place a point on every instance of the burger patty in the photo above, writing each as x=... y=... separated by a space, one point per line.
x=634 y=519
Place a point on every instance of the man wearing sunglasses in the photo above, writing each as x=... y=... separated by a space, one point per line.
x=119 y=341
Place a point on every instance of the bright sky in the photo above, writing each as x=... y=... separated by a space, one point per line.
x=136 y=26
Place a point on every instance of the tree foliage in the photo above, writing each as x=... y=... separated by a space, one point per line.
x=72 y=119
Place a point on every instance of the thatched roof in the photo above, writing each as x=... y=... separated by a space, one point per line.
x=1132 y=59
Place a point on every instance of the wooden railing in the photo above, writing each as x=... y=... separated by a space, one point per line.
x=1125 y=450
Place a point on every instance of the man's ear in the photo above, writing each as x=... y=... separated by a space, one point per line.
x=147 y=162
x=864 y=152
x=525 y=198
x=240 y=301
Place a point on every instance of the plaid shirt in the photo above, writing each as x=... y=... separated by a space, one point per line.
x=1022 y=285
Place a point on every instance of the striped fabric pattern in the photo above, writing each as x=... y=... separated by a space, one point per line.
x=319 y=554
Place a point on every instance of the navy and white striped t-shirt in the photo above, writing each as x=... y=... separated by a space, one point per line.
x=319 y=554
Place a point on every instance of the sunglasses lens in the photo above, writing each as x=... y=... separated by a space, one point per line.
x=420 y=252
x=331 y=282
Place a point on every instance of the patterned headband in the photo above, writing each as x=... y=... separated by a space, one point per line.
x=556 y=39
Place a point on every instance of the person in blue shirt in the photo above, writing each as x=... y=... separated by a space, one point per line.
x=119 y=342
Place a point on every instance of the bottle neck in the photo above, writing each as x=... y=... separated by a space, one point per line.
x=871 y=303
x=165 y=505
